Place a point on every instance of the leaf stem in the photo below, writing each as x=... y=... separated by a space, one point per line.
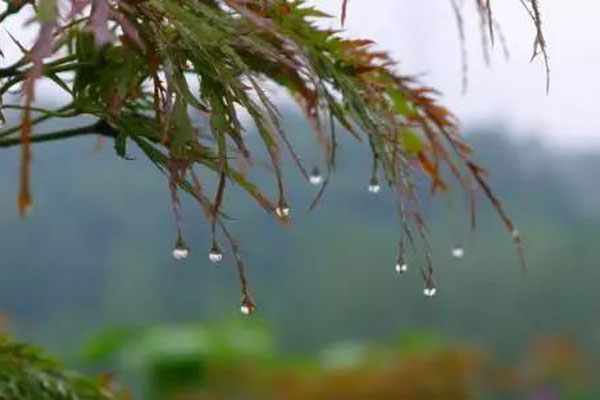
x=13 y=70
x=47 y=115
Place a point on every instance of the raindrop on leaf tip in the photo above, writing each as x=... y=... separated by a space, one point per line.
x=315 y=177
x=374 y=186
x=458 y=252
x=247 y=307
x=245 y=310
x=181 y=251
x=215 y=255
x=430 y=292
x=283 y=211
x=401 y=267
x=316 y=180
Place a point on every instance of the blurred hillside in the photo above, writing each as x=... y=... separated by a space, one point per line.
x=239 y=361
x=96 y=252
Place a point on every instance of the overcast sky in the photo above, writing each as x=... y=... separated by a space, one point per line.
x=422 y=36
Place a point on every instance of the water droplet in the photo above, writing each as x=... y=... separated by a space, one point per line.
x=315 y=177
x=430 y=291
x=247 y=307
x=283 y=210
x=28 y=210
x=458 y=252
x=181 y=251
x=215 y=255
x=515 y=233
x=245 y=310
x=401 y=267
x=374 y=186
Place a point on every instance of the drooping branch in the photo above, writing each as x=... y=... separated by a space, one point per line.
x=138 y=86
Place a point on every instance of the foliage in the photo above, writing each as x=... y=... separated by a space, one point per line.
x=418 y=365
x=27 y=374
x=167 y=359
x=148 y=69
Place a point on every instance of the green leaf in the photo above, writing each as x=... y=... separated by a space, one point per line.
x=47 y=11
x=121 y=145
x=182 y=132
x=413 y=144
x=26 y=373
x=400 y=102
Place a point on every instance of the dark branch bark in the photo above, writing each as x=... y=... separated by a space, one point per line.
x=99 y=128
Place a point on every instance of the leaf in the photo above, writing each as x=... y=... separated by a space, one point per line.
x=121 y=145
x=182 y=131
x=99 y=22
x=412 y=142
x=236 y=50
x=26 y=373
x=60 y=82
x=401 y=103
x=47 y=11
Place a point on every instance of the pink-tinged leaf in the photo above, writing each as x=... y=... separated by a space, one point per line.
x=128 y=29
x=245 y=12
x=43 y=45
x=77 y=6
x=24 y=201
x=41 y=49
x=99 y=22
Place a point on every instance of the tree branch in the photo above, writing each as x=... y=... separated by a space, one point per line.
x=98 y=128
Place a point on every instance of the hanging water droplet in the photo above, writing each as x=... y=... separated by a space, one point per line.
x=283 y=210
x=28 y=210
x=374 y=186
x=247 y=307
x=458 y=251
x=181 y=251
x=516 y=234
x=315 y=177
x=430 y=291
x=401 y=267
x=245 y=310
x=215 y=255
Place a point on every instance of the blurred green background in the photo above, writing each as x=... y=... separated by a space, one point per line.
x=90 y=276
